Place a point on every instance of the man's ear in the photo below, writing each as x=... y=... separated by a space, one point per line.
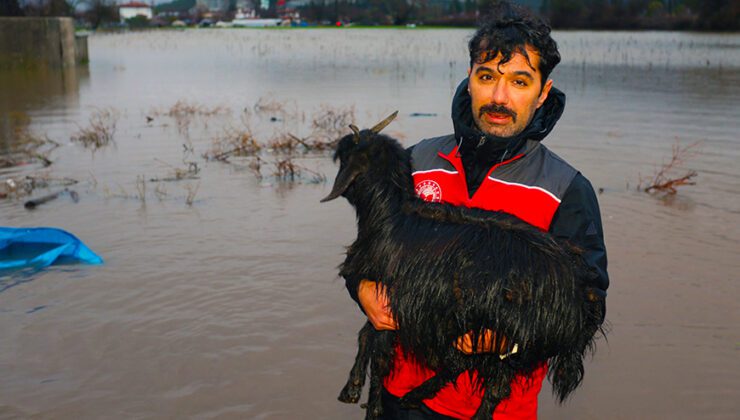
x=543 y=94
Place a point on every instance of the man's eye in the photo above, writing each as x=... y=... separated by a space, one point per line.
x=486 y=77
x=521 y=83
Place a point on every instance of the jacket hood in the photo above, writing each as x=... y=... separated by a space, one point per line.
x=470 y=137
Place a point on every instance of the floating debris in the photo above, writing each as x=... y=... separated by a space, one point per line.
x=19 y=187
x=32 y=204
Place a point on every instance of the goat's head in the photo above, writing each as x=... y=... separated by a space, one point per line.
x=362 y=151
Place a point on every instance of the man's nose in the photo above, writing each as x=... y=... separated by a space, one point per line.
x=500 y=93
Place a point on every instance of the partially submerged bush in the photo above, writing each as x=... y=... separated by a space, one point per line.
x=100 y=129
x=233 y=142
x=286 y=170
x=665 y=179
x=184 y=112
x=329 y=124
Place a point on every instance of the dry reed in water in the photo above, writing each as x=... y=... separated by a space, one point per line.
x=192 y=190
x=100 y=129
x=184 y=112
x=190 y=171
x=141 y=188
x=663 y=181
x=286 y=170
x=328 y=124
x=233 y=142
x=264 y=105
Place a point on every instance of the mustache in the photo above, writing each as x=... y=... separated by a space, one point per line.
x=497 y=109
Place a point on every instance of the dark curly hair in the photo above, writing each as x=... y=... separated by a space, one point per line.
x=507 y=29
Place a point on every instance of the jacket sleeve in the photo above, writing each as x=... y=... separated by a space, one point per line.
x=578 y=220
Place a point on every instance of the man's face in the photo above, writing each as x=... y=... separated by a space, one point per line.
x=505 y=98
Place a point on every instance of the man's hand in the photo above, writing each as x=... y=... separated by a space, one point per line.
x=487 y=343
x=374 y=300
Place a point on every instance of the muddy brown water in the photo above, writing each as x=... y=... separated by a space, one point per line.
x=231 y=307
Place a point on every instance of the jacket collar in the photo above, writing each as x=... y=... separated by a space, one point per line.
x=488 y=148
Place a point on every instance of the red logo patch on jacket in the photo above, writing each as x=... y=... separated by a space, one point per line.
x=429 y=190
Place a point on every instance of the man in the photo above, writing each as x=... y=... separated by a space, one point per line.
x=495 y=161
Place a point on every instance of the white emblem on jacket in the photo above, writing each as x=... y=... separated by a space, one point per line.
x=429 y=190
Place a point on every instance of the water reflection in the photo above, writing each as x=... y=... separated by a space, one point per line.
x=26 y=93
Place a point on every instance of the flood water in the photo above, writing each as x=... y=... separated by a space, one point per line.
x=231 y=307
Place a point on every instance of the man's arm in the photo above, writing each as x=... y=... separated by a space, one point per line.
x=578 y=220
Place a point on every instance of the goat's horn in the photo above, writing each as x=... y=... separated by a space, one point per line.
x=381 y=125
x=356 y=131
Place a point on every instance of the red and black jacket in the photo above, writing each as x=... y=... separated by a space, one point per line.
x=519 y=176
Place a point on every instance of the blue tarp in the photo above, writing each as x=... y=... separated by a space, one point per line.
x=40 y=247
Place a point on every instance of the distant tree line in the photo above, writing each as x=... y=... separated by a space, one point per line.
x=36 y=8
x=95 y=12
x=10 y=8
x=563 y=14
x=643 y=14
x=392 y=12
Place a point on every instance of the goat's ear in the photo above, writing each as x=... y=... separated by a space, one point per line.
x=344 y=178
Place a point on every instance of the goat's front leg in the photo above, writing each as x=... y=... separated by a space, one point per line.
x=351 y=392
x=428 y=389
x=496 y=391
x=374 y=404
x=380 y=367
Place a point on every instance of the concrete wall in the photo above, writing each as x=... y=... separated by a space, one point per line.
x=81 y=56
x=39 y=42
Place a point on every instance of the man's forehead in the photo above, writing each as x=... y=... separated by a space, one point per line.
x=531 y=60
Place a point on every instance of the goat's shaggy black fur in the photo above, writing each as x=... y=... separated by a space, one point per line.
x=451 y=270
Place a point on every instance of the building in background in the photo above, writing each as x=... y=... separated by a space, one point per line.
x=133 y=9
x=213 y=5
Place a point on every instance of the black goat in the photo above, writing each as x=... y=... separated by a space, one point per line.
x=451 y=270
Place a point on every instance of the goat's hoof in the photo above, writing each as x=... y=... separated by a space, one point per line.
x=374 y=412
x=350 y=395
